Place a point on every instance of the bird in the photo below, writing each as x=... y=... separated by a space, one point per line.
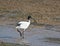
x=23 y=25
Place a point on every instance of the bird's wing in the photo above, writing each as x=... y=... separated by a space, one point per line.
x=19 y=23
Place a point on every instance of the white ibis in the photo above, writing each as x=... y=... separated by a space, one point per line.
x=23 y=25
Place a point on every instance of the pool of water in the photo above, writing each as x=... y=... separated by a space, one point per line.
x=36 y=37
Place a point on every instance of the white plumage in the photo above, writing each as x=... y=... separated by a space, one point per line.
x=23 y=25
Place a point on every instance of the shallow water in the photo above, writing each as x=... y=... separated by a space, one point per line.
x=36 y=37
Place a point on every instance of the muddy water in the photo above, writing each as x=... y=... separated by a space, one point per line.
x=36 y=37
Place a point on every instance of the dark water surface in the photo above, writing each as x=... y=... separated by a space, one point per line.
x=36 y=37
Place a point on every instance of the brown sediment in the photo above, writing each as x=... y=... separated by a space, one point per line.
x=43 y=11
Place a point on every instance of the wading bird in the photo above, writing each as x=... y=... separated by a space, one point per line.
x=23 y=25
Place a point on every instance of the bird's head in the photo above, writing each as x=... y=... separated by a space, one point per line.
x=29 y=17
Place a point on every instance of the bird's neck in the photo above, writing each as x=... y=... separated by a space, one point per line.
x=29 y=21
